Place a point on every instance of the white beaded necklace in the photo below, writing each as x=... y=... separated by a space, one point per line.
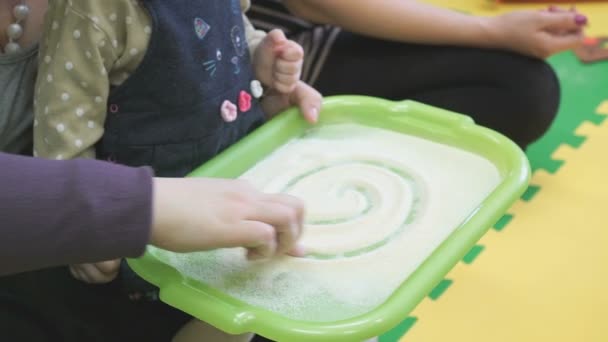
x=14 y=31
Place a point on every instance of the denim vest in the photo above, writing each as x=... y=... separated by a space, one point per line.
x=191 y=97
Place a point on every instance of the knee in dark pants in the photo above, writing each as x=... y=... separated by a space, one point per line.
x=538 y=97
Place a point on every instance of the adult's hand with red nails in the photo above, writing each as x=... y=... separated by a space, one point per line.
x=537 y=33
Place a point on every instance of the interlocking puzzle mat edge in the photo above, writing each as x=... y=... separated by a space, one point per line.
x=541 y=278
x=582 y=90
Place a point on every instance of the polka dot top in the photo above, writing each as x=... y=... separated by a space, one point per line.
x=89 y=47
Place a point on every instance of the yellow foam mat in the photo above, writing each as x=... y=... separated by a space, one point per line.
x=597 y=12
x=544 y=277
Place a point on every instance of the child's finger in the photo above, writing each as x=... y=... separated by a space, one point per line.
x=108 y=267
x=285 y=88
x=294 y=203
x=286 y=231
x=95 y=275
x=82 y=276
x=287 y=67
x=75 y=272
x=309 y=100
x=298 y=251
x=286 y=79
x=79 y=274
x=277 y=37
x=249 y=234
x=283 y=217
x=292 y=52
x=260 y=248
x=310 y=113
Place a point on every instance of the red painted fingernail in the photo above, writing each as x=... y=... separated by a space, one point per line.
x=580 y=20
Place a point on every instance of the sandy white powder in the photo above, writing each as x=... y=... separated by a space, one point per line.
x=378 y=204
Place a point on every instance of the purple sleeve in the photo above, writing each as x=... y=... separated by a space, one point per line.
x=63 y=212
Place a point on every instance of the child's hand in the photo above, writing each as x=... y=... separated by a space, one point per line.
x=278 y=62
x=198 y=214
x=97 y=273
x=308 y=99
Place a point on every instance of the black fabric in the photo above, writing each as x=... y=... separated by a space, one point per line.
x=52 y=306
x=510 y=93
x=22 y=322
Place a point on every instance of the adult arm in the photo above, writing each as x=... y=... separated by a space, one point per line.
x=78 y=211
x=531 y=32
x=60 y=212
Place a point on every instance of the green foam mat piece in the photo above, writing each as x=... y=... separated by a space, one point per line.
x=400 y=330
x=473 y=254
x=584 y=87
x=503 y=222
x=440 y=289
x=530 y=193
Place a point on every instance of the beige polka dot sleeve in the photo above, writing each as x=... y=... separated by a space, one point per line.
x=90 y=45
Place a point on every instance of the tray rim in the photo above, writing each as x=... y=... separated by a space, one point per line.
x=235 y=316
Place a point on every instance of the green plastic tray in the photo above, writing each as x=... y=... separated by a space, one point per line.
x=235 y=316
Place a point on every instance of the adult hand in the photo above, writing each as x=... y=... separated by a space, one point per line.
x=538 y=33
x=202 y=214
